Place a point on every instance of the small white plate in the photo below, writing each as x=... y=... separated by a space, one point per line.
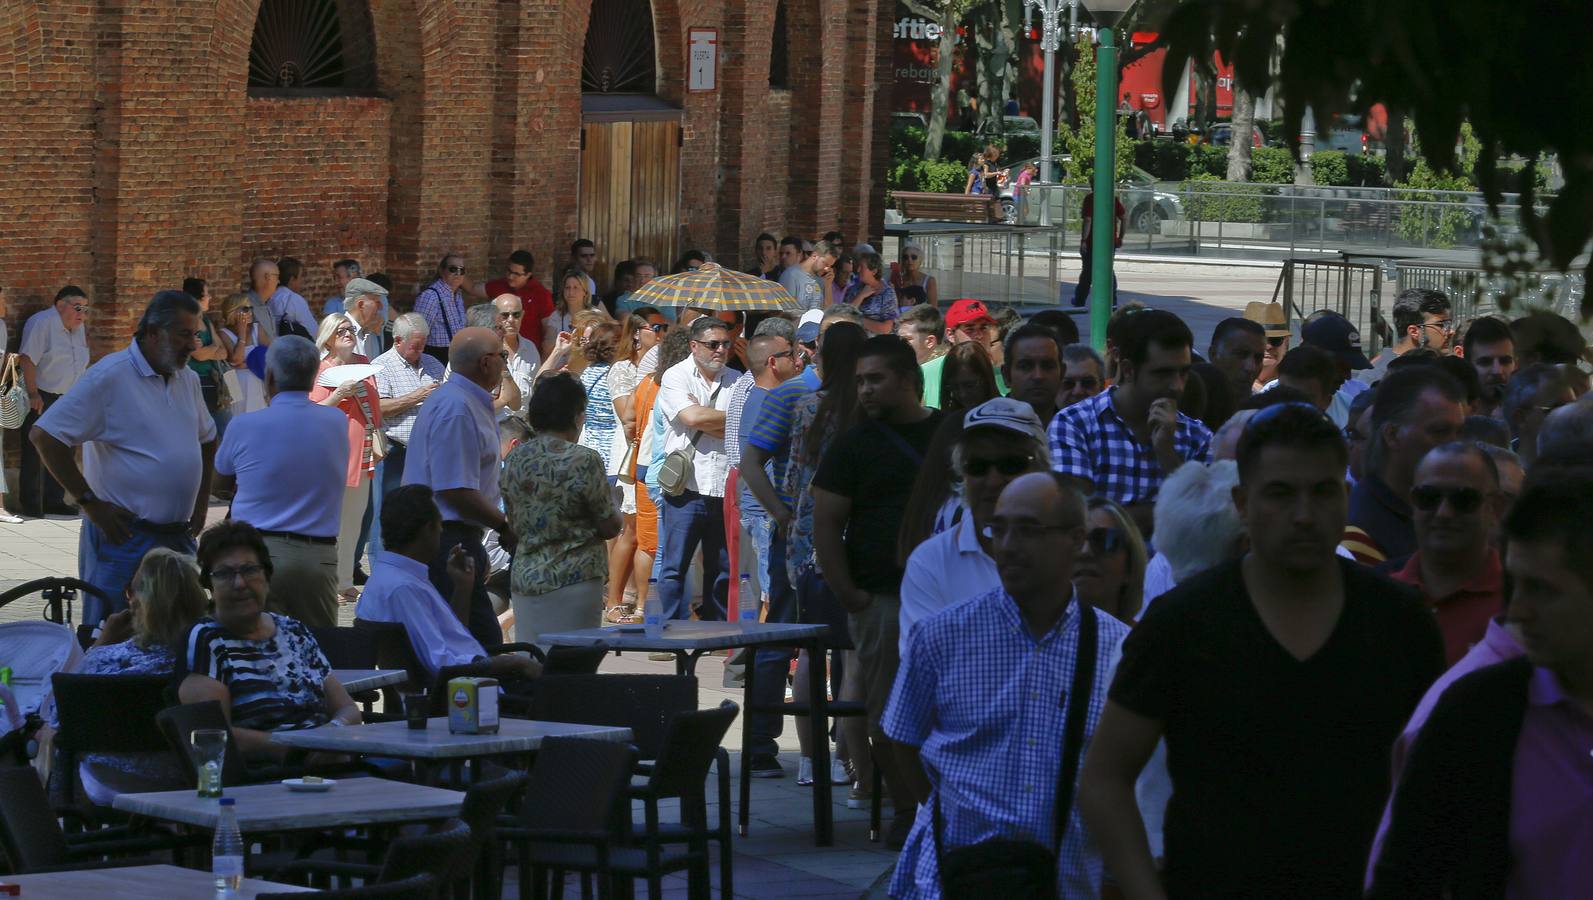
x=300 y=785
x=338 y=375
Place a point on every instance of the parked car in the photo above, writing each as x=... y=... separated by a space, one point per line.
x=1147 y=206
x=1221 y=135
x=1010 y=125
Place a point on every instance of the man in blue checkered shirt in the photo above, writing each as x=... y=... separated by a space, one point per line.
x=982 y=733
x=1123 y=443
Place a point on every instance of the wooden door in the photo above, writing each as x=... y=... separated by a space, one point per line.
x=630 y=191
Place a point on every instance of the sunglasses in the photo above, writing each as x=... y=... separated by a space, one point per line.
x=343 y=332
x=1464 y=501
x=1105 y=541
x=456 y=270
x=511 y=315
x=1007 y=465
x=1276 y=341
x=78 y=307
x=659 y=327
x=715 y=346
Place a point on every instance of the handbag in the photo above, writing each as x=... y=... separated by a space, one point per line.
x=1014 y=867
x=675 y=472
x=13 y=395
x=229 y=386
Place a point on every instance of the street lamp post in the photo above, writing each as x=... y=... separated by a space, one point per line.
x=1104 y=234
x=1050 y=40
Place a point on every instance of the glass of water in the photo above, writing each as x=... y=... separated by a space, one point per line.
x=208 y=747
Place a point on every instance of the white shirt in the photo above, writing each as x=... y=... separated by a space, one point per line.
x=946 y=569
x=398 y=591
x=291 y=462
x=683 y=381
x=140 y=433
x=366 y=343
x=59 y=357
x=455 y=444
x=524 y=361
x=287 y=303
x=1158 y=580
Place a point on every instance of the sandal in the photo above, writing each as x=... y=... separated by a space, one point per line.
x=623 y=614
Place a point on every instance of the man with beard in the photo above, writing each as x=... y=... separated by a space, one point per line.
x=1123 y=443
x=148 y=448
x=1491 y=349
x=1423 y=320
x=1278 y=680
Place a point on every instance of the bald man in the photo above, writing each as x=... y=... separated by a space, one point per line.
x=453 y=450
x=524 y=358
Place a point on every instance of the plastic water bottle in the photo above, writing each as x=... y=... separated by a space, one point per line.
x=226 y=853
x=748 y=603
x=653 y=616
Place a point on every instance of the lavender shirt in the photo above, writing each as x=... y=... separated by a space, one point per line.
x=1551 y=833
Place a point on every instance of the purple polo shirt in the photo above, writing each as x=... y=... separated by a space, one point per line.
x=1551 y=833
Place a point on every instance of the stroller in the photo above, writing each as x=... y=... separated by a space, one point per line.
x=33 y=650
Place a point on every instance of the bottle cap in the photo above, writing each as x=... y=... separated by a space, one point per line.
x=229 y=801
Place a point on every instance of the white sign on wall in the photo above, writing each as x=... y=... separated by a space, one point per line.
x=703 y=51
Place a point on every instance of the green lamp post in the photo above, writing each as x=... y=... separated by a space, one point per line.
x=1102 y=240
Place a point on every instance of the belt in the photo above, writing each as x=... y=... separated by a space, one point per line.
x=295 y=536
x=467 y=526
x=161 y=527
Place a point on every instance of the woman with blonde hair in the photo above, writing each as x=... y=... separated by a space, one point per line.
x=359 y=401
x=243 y=334
x=164 y=600
x=1109 y=573
x=574 y=298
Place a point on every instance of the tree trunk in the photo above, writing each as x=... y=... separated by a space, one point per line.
x=940 y=93
x=1244 y=117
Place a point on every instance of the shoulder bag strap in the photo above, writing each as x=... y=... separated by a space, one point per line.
x=1078 y=708
x=899 y=442
x=697 y=435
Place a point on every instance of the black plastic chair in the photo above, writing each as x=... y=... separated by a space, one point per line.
x=393 y=651
x=436 y=854
x=642 y=703
x=576 y=819
x=416 y=887
x=352 y=648
x=691 y=745
x=177 y=723
x=573 y=660
x=106 y=714
x=33 y=841
x=59 y=593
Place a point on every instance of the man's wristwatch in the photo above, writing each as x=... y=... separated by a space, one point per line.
x=87 y=497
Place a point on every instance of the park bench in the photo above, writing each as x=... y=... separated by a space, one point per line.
x=980 y=208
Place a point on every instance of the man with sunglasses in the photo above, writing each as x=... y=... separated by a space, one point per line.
x=1278 y=681
x=967 y=320
x=1001 y=440
x=442 y=304
x=693 y=397
x=1275 y=325
x=524 y=358
x=1455 y=505
x=53 y=356
x=1423 y=319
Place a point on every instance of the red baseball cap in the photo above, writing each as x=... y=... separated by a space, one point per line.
x=964 y=312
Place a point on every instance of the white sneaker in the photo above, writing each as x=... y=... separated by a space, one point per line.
x=805 y=771
x=838 y=773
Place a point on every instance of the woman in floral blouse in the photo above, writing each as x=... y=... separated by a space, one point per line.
x=556 y=494
x=164 y=600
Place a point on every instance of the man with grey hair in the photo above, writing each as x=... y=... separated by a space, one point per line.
x=263 y=280
x=284 y=468
x=454 y=450
x=406 y=375
x=1197 y=526
x=366 y=305
x=148 y=444
x=1532 y=394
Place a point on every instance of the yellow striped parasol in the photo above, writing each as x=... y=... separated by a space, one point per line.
x=714 y=287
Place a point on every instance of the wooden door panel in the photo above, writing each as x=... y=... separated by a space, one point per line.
x=630 y=191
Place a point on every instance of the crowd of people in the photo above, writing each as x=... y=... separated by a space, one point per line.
x=1264 y=620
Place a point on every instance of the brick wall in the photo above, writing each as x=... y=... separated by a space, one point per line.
x=136 y=156
x=314 y=178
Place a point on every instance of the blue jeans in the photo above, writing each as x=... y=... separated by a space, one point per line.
x=110 y=567
x=371 y=526
x=686 y=521
x=768 y=683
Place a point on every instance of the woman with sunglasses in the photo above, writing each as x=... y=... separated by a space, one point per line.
x=637 y=336
x=1109 y=573
x=359 y=401
x=243 y=334
x=913 y=284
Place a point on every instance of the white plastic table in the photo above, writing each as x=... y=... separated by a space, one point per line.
x=269 y=808
x=399 y=741
x=139 y=883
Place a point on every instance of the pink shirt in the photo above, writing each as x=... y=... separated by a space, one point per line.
x=1551 y=797
x=360 y=466
x=1497 y=645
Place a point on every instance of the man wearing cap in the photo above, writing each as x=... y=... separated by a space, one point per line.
x=1001 y=440
x=967 y=320
x=1275 y=324
x=1327 y=330
x=805 y=279
x=366 y=302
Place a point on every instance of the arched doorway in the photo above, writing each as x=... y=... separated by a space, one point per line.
x=630 y=140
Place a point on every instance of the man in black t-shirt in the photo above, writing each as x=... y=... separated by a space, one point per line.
x=1279 y=682
x=860 y=494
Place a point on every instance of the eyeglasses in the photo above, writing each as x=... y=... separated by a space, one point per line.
x=1464 y=501
x=512 y=315
x=912 y=257
x=79 y=307
x=343 y=332
x=1025 y=532
x=659 y=327
x=513 y=274
x=503 y=355
x=246 y=572
x=1006 y=465
x=1277 y=341
x=1447 y=326
x=1089 y=384
x=715 y=346
x=782 y=354
x=456 y=270
x=1105 y=541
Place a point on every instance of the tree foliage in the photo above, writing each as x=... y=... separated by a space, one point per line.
x=1520 y=73
x=1080 y=142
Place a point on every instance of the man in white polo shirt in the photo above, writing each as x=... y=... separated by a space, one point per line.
x=148 y=444
x=1002 y=439
x=692 y=400
x=54 y=355
x=453 y=449
x=284 y=466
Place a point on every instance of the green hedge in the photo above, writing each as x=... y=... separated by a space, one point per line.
x=907 y=145
x=1335 y=168
x=932 y=175
x=1208 y=203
